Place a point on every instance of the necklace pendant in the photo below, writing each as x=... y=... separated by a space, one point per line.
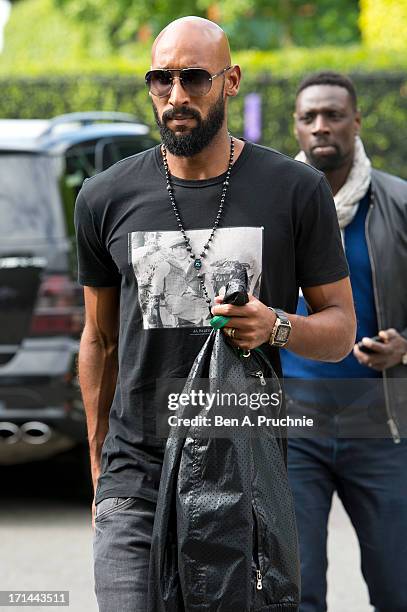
x=197 y=261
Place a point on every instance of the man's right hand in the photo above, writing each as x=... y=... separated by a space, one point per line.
x=93 y=513
x=95 y=477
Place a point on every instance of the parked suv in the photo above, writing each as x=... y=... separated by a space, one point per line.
x=42 y=167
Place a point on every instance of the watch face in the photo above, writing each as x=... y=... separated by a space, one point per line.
x=282 y=333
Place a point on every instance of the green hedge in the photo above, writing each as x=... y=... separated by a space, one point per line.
x=382 y=99
x=42 y=41
x=48 y=59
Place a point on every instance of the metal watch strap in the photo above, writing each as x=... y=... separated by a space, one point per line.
x=281 y=315
x=281 y=320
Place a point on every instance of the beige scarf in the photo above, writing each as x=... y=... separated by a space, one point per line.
x=348 y=197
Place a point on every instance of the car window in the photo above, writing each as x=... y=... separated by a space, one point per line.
x=30 y=203
x=80 y=163
x=108 y=152
x=90 y=157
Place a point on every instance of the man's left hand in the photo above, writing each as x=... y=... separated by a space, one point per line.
x=386 y=354
x=253 y=322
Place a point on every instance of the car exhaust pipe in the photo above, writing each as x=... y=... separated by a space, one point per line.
x=35 y=432
x=9 y=433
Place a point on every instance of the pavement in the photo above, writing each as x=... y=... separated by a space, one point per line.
x=46 y=541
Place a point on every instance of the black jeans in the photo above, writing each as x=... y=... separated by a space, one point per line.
x=121 y=546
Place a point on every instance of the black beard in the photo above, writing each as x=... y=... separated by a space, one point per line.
x=192 y=143
x=327 y=162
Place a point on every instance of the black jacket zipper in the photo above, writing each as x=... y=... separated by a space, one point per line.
x=259 y=374
x=258 y=553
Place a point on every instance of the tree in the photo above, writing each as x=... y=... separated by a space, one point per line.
x=261 y=24
x=383 y=23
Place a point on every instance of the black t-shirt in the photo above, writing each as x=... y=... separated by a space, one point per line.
x=279 y=222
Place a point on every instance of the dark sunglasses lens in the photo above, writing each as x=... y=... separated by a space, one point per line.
x=159 y=82
x=196 y=81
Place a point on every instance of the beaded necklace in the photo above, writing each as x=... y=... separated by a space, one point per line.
x=197 y=261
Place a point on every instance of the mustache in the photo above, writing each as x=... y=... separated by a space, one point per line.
x=185 y=112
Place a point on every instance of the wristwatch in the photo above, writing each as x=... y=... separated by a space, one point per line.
x=281 y=330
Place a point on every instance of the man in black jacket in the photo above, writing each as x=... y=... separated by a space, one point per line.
x=361 y=455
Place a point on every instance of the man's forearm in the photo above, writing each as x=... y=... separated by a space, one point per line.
x=327 y=335
x=98 y=367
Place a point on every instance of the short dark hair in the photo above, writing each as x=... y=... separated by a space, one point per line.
x=329 y=77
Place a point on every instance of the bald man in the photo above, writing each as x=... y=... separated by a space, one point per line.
x=222 y=202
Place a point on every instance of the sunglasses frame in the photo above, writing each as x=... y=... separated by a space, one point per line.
x=179 y=76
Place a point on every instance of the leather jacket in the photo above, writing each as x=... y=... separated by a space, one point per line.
x=224 y=536
x=386 y=236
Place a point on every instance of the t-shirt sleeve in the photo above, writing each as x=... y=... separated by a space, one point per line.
x=96 y=267
x=320 y=258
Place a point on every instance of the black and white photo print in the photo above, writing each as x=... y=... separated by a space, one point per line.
x=169 y=285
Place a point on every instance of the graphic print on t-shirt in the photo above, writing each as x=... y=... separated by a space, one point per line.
x=169 y=288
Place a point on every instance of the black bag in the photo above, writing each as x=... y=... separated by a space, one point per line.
x=224 y=537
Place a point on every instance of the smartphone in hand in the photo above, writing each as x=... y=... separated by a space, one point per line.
x=366 y=349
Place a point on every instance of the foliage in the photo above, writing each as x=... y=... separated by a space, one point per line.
x=382 y=98
x=59 y=46
x=265 y=24
x=383 y=23
x=36 y=34
x=69 y=66
x=290 y=62
x=260 y=24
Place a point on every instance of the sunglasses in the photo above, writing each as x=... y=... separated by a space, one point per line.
x=195 y=81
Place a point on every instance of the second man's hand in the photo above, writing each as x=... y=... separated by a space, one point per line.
x=253 y=322
x=385 y=354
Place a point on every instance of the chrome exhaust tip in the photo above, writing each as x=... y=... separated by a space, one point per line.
x=35 y=432
x=9 y=433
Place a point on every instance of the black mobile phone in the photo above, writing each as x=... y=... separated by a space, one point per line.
x=366 y=349
x=236 y=289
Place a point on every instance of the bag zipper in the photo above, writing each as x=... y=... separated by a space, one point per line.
x=259 y=374
x=257 y=551
x=259 y=580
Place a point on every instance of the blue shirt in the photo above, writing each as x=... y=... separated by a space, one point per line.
x=361 y=279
